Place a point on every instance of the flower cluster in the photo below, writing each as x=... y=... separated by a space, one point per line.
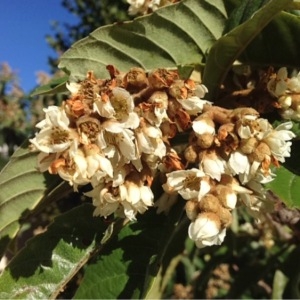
x=286 y=90
x=142 y=7
x=117 y=134
x=113 y=134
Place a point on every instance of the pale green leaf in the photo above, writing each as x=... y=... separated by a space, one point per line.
x=55 y=86
x=279 y=283
x=178 y=34
x=286 y=186
x=42 y=269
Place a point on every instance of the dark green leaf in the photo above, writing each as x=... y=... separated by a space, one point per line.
x=49 y=260
x=228 y=48
x=126 y=267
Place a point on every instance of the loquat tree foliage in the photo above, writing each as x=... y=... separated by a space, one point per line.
x=177 y=136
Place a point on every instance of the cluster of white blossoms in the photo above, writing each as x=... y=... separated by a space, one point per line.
x=116 y=135
x=287 y=92
x=142 y=7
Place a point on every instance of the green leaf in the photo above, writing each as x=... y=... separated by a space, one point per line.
x=22 y=189
x=286 y=187
x=279 y=283
x=49 y=260
x=228 y=48
x=178 y=34
x=55 y=86
x=126 y=267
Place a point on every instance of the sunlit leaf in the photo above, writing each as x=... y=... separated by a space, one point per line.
x=49 y=260
x=286 y=186
x=22 y=188
x=178 y=34
x=55 y=86
x=279 y=284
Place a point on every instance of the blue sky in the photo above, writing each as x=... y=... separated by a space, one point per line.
x=23 y=27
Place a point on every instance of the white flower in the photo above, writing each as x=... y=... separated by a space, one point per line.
x=122 y=137
x=256 y=127
x=135 y=6
x=118 y=105
x=278 y=139
x=98 y=165
x=238 y=163
x=206 y=230
x=55 y=134
x=193 y=105
x=155 y=109
x=103 y=107
x=142 y=6
x=200 y=91
x=294 y=84
x=127 y=199
x=188 y=183
x=73 y=87
x=149 y=140
x=277 y=86
x=203 y=125
x=75 y=170
x=213 y=165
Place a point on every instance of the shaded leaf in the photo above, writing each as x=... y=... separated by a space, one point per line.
x=50 y=260
x=229 y=47
x=178 y=34
x=127 y=265
x=22 y=189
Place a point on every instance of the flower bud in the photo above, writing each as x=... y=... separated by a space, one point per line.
x=285 y=101
x=206 y=230
x=261 y=151
x=247 y=146
x=205 y=140
x=191 y=154
x=225 y=217
x=192 y=209
x=226 y=196
x=203 y=125
x=178 y=90
x=209 y=203
x=135 y=80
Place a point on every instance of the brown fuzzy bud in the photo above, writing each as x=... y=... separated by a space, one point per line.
x=192 y=209
x=191 y=154
x=162 y=78
x=135 y=80
x=242 y=112
x=205 y=140
x=178 y=90
x=226 y=196
x=225 y=217
x=209 y=203
x=261 y=151
x=160 y=98
x=247 y=146
x=168 y=129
